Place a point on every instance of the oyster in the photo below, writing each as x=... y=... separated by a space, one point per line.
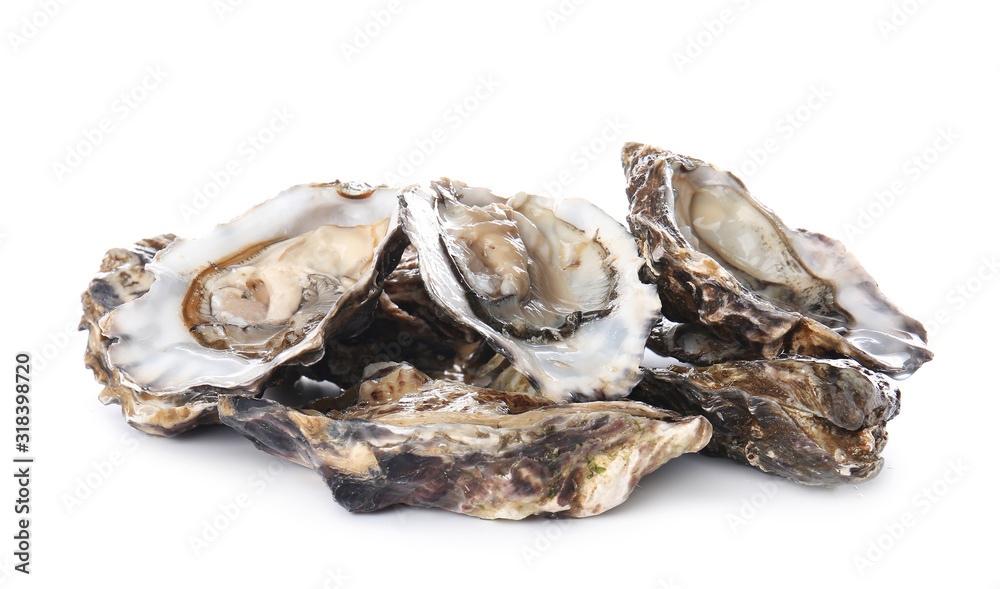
x=816 y=422
x=225 y=311
x=553 y=286
x=724 y=261
x=433 y=443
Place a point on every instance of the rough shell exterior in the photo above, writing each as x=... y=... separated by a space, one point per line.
x=816 y=422
x=430 y=443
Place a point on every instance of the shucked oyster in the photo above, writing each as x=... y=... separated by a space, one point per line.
x=433 y=443
x=224 y=311
x=551 y=285
x=724 y=261
x=817 y=422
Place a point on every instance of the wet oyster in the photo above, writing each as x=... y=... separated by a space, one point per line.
x=433 y=443
x=724 y=261
x=224 y=312
x=816 y=422
x=553 y=286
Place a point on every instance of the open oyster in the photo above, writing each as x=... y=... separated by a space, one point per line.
x=553 y=286
x=816 y=422
x=265 y=290
x=724 y=261
x=433 y=443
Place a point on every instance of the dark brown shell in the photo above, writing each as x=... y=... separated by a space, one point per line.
x=816 y=422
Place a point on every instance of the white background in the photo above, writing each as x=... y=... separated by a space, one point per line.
x=726 y=81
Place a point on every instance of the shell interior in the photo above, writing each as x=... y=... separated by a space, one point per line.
x=224 y=310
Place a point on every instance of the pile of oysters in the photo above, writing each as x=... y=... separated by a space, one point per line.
x=441 y=346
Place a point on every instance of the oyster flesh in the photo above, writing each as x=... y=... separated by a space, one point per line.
x=432 y=443
x=724 y=261
x=551 y=285
x=816 y=422
x=225 y=311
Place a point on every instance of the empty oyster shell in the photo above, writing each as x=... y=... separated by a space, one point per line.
x=553 y=286
x=816 y=422
x=486 y=453
x=722 y=260
x=224 y=311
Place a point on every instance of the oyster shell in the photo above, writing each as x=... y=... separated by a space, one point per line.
x=481 y=452
x=722 y=260
x=816 y=422
x=407 y=326
x=123 y=278
x=694 y=343
x=553 y=286
x=225 y=311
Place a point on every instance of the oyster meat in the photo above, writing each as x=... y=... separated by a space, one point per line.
x=816 y=422
x=412 y=440
x=551 y=285
x=223 y=312
x=722 y=260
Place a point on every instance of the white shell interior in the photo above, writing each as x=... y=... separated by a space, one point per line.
x=155 y=350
